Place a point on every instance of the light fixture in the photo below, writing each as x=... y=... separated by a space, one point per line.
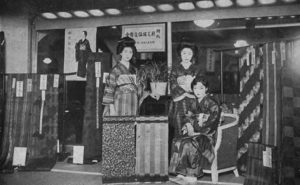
x=49 y=15
x=281 y=17
x=147 y=8
x=64 y=14
x=270 y=17
x=81 y=13
x=205 y=4
x=293 y=16
x=114 y=27
x=113 y=11
x=47 y=60
x=289 y=1
x=186 y=6
x=240 y=43
x=266 y=1
x=224 y=3
x=96 y=12
x=245 y=2
x=258 y=18
x=165 y=7
x=204 y=23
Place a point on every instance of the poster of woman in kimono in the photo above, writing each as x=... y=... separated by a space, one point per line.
x=78 y=43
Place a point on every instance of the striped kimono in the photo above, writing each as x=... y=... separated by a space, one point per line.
x=121 y=90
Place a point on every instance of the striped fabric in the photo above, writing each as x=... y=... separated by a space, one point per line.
x=250 y=106
x=257 y=173
x=152 y=148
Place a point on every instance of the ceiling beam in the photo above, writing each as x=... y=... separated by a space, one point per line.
x=225 y=13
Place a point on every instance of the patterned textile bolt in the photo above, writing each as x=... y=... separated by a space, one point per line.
x=251 y=100
x=118 y=146
x=92 y=145
x=22 y=122
x=152 y=148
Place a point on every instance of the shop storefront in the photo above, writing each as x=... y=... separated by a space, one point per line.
x=57 y=111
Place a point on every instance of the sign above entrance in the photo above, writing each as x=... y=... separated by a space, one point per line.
x=148 y=37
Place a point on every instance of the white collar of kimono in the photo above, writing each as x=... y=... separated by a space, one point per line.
x=126 y=64
x=186 y=65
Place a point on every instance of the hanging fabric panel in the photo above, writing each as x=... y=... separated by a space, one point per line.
x=250 y=106
x=42 y=146
x=22 y=121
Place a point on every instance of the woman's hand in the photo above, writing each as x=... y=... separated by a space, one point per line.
x=190 y=129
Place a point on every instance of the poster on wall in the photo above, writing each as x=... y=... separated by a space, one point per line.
x=148 y=37
x=78 y=42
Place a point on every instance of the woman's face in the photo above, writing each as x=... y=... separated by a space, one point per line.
x=186 y=54
x=83 y=36
x=126 y=54
x=199 y=90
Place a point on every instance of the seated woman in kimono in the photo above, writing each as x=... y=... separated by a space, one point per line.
x=195 y=149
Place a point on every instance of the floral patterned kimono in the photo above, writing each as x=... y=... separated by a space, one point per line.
x=121 y=90
x=191 y=153
x=179 y=104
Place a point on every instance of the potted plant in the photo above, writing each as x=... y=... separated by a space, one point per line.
x=157 y=74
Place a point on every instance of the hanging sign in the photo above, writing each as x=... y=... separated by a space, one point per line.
x=210 y=62
x=55 y=81
x=148 y=37
x=19 y=90
x=43 y=82
x=98 y=69
x=29 y=85
x=282 y=52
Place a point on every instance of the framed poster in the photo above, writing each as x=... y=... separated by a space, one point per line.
x=72 y=36
x=148 y=37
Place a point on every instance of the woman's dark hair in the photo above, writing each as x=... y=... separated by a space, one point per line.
x=187 y=43
x=127 y=42
x=85 y=33
x=201 y=79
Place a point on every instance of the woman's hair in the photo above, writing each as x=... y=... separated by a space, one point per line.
x=201 y=79
x=127 y=42
x=187 y=43
x=85 y=33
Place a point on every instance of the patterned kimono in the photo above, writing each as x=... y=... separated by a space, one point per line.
x=190 y=154
x=82 y=49
x=179 y=108
x=121 y=90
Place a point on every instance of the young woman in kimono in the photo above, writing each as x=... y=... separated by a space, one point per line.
x=196 y=150
x=121 y=93
x=182 y=74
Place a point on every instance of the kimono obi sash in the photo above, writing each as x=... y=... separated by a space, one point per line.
x=126 y=88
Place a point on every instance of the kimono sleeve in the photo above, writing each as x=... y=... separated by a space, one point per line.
x=214 y=110
x=77 y=51
x=88 y=47
x=110 y=87
x=176 y=90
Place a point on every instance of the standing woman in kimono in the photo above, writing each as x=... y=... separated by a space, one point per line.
x=180 y=80
x=121 y=94
x=82 y=50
